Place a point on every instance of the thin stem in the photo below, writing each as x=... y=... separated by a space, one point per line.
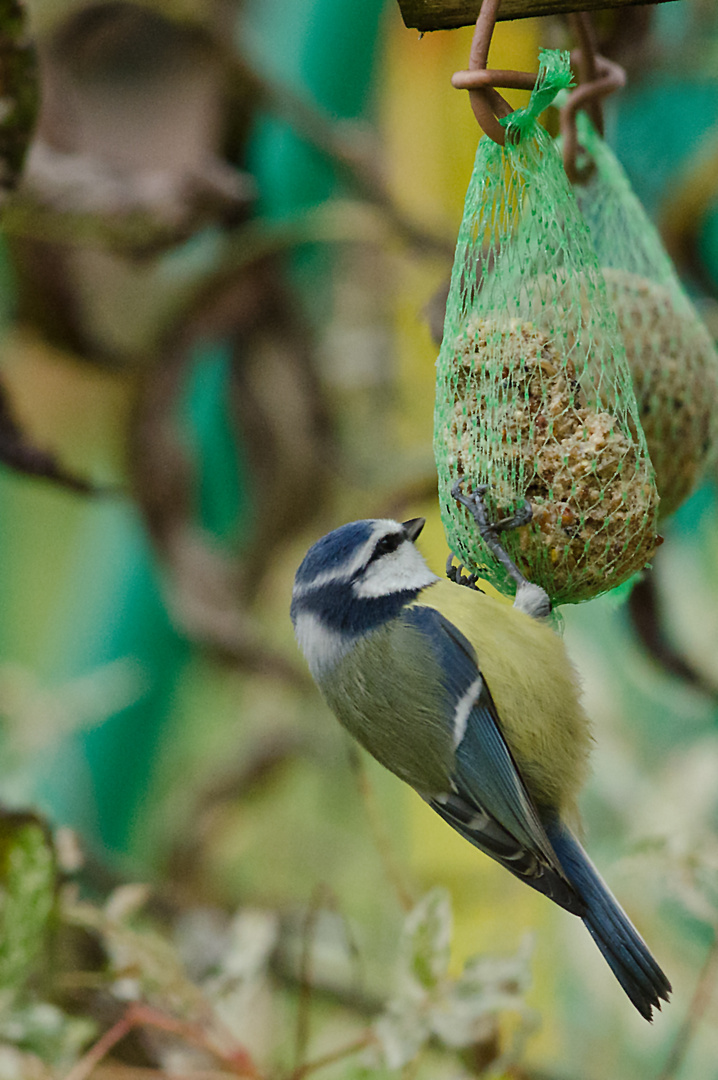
x=87 y=1063
x=699 y=1003
x=376 y=822
x=301 y=1039
x=365 y=1040
x=411 y=1069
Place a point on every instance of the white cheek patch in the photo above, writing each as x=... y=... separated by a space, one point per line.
x=322 y=647
x=400 y=570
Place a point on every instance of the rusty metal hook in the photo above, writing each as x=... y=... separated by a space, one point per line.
x=488 y=105
x=598 y=77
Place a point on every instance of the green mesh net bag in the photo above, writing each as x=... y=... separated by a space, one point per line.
x=670 y=352
x=534 y=395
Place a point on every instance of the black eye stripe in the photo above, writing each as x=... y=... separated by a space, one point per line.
x=386 y=545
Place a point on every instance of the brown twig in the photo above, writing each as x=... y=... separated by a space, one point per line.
x=84 y=1068
x=138 y=1015
x=699 y=1003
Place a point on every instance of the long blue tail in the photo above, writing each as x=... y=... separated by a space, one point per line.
x=624 y=949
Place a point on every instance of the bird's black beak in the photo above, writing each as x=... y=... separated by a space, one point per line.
x=413 y=527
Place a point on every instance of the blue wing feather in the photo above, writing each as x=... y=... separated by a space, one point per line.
x=489 y=804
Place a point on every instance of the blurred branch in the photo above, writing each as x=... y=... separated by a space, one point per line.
x=19 y=94
x=699 y=1003
x=19 y=454
x=646 y=614
x=448 y=14
x=75 y=200
x=208 y=587
x=255 y=768
x=365 y=1004
x=78 y=199
x=683 y=211
x=336 y=221
x=350 y=148
x=140 y=235
x=184 y=887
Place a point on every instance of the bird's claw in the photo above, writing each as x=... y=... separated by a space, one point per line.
x=489 y=531
x=523 y=516
x=458 y=574
x=476 y=505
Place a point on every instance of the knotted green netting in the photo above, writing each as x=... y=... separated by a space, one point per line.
x=670 y=352
x=534 y=394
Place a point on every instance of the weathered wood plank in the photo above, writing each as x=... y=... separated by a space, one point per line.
x=448 y=14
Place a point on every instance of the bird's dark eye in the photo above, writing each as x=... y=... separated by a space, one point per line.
x=386 y=545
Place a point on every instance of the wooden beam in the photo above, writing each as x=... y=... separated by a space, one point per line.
x=448 y=14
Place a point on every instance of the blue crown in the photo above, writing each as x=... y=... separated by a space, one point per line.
x=333 y=550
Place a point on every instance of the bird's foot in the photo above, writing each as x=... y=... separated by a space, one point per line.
x=458 y=573
x=529 y=598
x=521 y=517
x=476 y=505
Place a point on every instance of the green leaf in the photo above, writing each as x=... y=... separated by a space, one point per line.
x=402 y=1031
x=42 y=1029
x=488 y=986
x=27 y=896
x=425 y=947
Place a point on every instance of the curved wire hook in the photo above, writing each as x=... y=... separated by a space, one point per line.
x=598 y=77
x=488 y=105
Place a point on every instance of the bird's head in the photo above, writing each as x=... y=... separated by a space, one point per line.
x=352 y=581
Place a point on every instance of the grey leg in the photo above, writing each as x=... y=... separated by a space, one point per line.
x=529 y=598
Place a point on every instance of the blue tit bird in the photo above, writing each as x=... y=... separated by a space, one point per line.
x=471 y=701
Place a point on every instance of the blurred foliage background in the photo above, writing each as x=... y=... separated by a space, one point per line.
x=219 y=274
